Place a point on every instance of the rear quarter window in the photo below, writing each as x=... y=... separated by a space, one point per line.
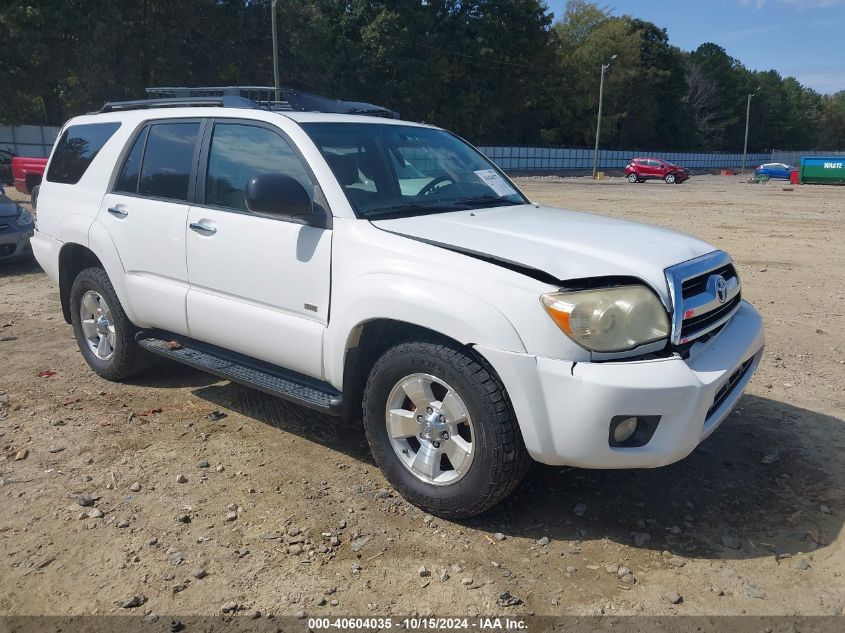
x=77 y=147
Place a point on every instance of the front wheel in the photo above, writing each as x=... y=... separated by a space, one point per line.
x=670 y=179
x=441 y=429
x=104 y=334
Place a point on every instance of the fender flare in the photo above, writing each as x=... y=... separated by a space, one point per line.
x=461 y=316
x=101 y=244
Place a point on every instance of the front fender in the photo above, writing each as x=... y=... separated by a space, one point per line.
x=464 y=317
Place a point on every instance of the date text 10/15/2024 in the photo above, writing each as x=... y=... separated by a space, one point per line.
x=419 y=624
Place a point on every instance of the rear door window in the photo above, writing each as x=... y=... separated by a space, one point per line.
x=76 y=149
x=168 y=160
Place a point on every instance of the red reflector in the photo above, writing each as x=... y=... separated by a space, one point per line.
x=688 y=314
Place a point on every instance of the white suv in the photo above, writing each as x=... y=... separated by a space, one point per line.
x=372 y=267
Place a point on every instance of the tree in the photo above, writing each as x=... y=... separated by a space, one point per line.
x=495 y=71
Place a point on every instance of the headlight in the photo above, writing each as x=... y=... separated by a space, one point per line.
x=609 y=319
x=24 y=218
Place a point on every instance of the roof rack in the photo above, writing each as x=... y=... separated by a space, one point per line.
x=264 y=97
x=186 y=102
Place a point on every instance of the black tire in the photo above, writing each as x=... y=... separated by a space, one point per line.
x=500 y=460
x=128 y=359
x=34 y=196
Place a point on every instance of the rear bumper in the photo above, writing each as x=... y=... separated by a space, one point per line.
x=565 y=409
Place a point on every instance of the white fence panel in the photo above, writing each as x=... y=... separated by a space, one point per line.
x=28 y=140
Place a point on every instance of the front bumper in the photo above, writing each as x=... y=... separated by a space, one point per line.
x=14 y=242
x=564 y=408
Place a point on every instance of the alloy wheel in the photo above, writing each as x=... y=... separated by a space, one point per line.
x=97 y=325
x=430 y=429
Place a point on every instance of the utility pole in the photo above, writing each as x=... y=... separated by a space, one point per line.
x=604 y=68
x=275 y=49
x=747 y=117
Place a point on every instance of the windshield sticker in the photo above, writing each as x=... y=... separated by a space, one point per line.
x=493 y=180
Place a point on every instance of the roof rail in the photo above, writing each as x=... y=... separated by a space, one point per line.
x=185 y=102
x=271 y=98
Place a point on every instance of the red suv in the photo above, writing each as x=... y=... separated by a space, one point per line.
x=642 y=169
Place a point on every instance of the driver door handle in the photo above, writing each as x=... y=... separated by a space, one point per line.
x=202 y=229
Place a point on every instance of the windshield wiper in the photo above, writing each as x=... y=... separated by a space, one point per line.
x=418 y=208
x=413 y=208
x=486 y=200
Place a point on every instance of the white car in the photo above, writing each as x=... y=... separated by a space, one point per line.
x=376 y=268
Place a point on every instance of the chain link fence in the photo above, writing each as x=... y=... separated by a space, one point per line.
x=793 y=158
x=540 y=159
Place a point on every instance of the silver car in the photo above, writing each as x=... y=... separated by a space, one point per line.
x=16 y=226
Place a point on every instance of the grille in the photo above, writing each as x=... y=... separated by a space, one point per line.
x=697 y=285
x=726 y=389
x=702 y=302
x=695 y=324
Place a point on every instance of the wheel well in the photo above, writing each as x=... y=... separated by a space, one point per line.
x=32 y=180
x=73 y=258
x=367 y=342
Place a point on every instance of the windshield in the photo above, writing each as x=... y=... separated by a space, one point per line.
x=399 y=170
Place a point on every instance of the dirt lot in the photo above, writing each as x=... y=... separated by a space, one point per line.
x=750 y=523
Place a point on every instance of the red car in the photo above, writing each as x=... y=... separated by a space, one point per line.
x=27 y=173
x=642 y=169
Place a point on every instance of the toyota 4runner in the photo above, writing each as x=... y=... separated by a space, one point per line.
x=386 y=270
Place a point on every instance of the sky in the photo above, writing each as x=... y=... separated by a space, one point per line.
x=804 y=39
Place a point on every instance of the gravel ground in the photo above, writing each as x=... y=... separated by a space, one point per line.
x=135 y=498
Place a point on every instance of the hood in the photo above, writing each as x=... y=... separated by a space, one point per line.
x=567 y=245
x=8 y=208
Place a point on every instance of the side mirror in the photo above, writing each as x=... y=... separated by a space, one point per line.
x=282 y=197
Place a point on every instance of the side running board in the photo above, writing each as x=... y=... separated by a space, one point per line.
x=276 y=381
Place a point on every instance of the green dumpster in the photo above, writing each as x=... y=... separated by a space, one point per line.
x=822 y=171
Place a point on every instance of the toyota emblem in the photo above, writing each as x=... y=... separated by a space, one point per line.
x=719 y=287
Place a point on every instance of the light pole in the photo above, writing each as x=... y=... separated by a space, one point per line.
x=747 y=117
x=604 y=68
x=275 y=49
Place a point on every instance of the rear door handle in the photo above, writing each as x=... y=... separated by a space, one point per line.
x=202 y=229
x=118 y=211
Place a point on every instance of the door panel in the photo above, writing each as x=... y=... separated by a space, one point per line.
x=148 y=230
x=150 y=239
x=258 y=286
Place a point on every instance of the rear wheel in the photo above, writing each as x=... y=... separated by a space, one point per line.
x=441 y=429
x=632 y=177
x=34 y=196
x=670 y=179
x=104 y=334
